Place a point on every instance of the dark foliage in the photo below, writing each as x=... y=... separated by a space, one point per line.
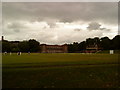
x=23 y=46
x=34 y=46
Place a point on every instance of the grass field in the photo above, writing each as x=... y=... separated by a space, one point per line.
x=64 y=70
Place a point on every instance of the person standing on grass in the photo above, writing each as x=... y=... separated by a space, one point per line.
x=5 y=53
x=28 y=52
x=20 y=53
x=10 y=53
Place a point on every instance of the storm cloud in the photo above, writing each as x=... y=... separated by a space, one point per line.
x=57 y=23
x=65 y=12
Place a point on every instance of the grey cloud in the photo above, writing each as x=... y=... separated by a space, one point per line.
x=16 y=26
x=16 y=30
x=105 y=29
x=94 y=26
x=57 y=12
x=51 y=24
x=65 y=12
x=102 y=28
x=77 y=29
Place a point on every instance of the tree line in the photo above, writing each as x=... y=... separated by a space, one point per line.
x=20 y=46
x=104 y=43
x=34 y=46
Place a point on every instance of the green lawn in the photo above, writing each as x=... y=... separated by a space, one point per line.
x=67 y=70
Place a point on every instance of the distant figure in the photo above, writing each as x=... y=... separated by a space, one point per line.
x=19 y=53
x=28 y=52
x=5 y=53
x=10 y=53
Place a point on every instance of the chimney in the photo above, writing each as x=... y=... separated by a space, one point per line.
x=2 y=38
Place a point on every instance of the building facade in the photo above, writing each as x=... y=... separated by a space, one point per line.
x=93 y=48
x=54 y=48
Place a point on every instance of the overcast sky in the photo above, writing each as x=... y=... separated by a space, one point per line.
x=59 y=23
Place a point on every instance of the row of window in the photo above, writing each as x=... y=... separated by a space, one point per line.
x=54 y=48
x=54 y=51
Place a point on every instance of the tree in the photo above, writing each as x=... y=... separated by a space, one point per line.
x=82 y=45
x=24 y=46
x=76 y=47
x=116 y=42
x=105 y=43
x=33 y=45
x=14 y=46
x=96 y=41
x=89 y=41
x=5 y=46
x=72 y=48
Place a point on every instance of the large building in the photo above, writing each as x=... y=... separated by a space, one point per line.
x=54 y=48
